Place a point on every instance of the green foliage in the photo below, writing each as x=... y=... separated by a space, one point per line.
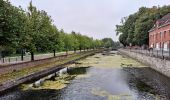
x=33 y=31
x=108 y=42
x=134 y=28
x=11 y=22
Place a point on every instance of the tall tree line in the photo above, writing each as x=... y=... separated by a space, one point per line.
x=134 y=28
x=33 y=31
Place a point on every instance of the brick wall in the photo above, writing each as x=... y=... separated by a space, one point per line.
x=160 y=37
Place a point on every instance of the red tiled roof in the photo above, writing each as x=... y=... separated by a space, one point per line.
x=163 y=21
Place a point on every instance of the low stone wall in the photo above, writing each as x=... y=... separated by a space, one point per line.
x=160 y=65
x=11 y=67
x=34 y=76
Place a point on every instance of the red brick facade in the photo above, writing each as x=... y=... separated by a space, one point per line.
x=159 y=35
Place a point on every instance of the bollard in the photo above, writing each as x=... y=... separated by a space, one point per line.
x=9 y=59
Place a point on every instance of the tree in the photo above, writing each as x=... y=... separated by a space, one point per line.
x=54 y=41
x=33 y=30
x=68 y=42
x=12 y=21
x=75 y=41
x=107 y=42
x=134 y=28
x=40 y=31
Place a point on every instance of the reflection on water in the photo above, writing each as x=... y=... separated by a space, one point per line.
x=104 y=80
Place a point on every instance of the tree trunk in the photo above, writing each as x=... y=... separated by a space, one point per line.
x=54 y=52
x=80 y=49
x=32 y=56
x=66 y=51
x=74 y=50
x=22 y=55
x=0 y=55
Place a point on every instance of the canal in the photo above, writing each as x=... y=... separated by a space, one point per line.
x=104 y=76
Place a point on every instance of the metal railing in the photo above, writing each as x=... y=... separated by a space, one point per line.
x=153 y=53
x=18 y=59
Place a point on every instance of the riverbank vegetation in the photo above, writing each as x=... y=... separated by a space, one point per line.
x=134 y=28
x=16 y=74
x=32 y=30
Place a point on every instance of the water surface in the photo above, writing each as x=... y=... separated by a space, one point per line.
x=101 y=77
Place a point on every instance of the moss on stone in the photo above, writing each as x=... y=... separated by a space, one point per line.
x=13 y=75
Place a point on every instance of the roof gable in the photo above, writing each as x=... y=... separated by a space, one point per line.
x=161 y=22
x=164 y=20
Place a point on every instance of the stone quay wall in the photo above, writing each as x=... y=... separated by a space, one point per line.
x=7 y=86
x=158 y=64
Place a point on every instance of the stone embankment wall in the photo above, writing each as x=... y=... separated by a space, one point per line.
x=11 y=67
x=34 y=76
x=160 y=65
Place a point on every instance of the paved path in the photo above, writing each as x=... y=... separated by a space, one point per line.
x=17 y=59
x=8 y=68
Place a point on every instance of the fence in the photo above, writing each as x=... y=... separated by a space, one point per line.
x=18 y=59
x=154 y=53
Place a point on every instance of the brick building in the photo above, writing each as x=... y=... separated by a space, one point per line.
x=159 y=35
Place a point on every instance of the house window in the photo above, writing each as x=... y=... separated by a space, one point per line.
x=164 y=34
x=152 y=37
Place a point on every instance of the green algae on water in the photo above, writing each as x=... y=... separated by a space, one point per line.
x=102 y=93
x=109 y=61
x=58 y=83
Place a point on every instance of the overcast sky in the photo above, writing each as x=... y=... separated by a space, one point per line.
x=95 y=18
